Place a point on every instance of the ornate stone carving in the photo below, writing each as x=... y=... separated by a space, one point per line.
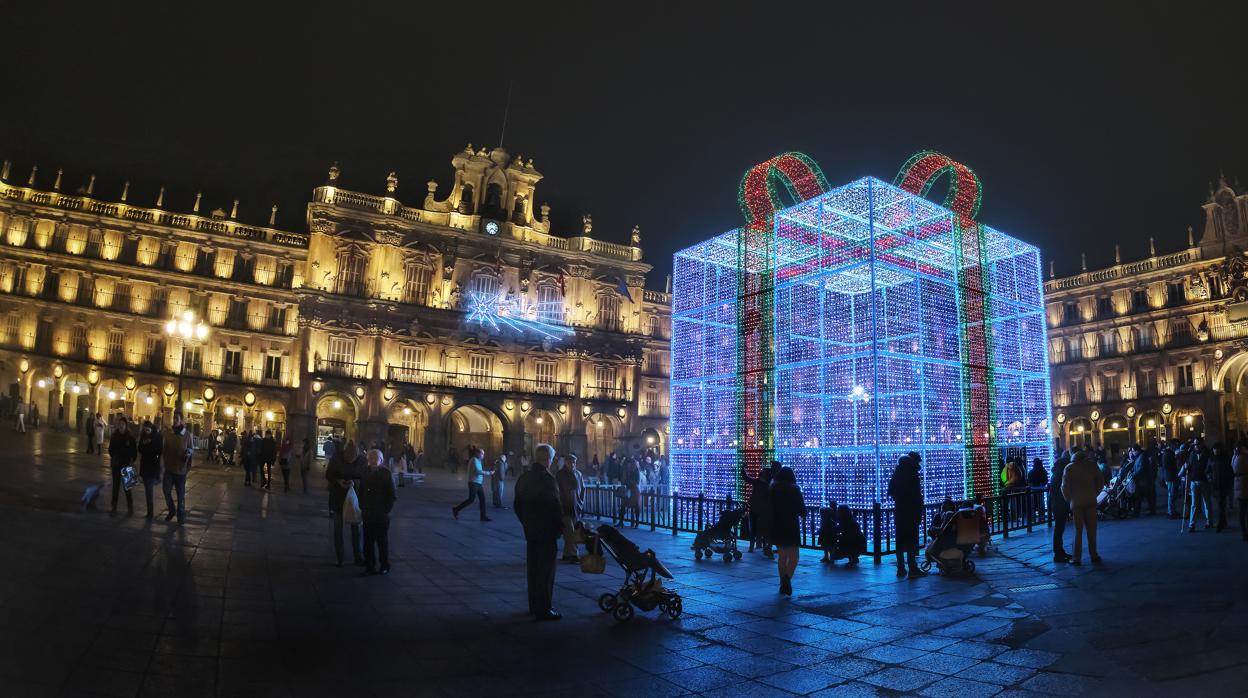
x=579 y=271
x=321 y=225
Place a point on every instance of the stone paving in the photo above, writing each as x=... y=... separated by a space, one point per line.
x=244 y=600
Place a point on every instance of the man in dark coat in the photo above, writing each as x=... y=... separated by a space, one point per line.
x=121 y=452
x=268 y=456
x=537 y=506
x=376 y=500
x=907 y=494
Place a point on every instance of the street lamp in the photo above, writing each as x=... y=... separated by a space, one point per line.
x=187 y=332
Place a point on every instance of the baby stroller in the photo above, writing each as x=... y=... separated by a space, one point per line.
x=952 y=538
x=1114 y=501
x=643 y=587
x=720 y=538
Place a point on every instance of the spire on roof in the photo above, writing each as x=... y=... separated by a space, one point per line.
x=160 y=198
x=199 y=195
x=30 y=182
x=234 y=211
x=91 y=186
x=56 y=186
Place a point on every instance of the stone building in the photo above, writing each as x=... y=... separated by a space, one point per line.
x=1155 y=348
x=461 y=320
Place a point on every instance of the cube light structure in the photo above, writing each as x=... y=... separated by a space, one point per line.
x=860 y=325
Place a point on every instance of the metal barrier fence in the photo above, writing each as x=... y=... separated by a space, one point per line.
x=1016 y=510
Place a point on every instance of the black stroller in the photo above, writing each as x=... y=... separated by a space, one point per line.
x=720 y=538
x=643 y=587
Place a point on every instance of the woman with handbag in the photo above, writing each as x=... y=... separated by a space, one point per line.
x=149 y=463
x=121 y=452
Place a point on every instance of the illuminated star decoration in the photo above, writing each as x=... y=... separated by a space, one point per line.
x=495 y=311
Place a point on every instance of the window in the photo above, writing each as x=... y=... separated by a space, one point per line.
x=116 y=346
x=1110 y=387
x=609 y=311
x=484 y=285
x=1075 y=350
x=480 y=368
x=350 y=279
x=193 y=358
x=1181 y=330
x=233 y=365
x=1139 y=300
x=1070 y=312
x=277 y=318
x=650 y=401
x=237 y=314
x=77 y=339
x=652 y=325
x=1187 y=379
x=416 y=284
x=550 y=304
x=604 y=376
x=1109 y=344
x=272 y=368
x=341 y=350
x=1104 y=306
x=545 y=374
x=411 y=358
x=1175 y=294
x=12 y=328
x=1147 y=337
x=1077 y=392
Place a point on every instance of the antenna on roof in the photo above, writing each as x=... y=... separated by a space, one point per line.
x=506 y=108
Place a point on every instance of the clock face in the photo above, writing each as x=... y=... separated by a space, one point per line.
x=491 y=228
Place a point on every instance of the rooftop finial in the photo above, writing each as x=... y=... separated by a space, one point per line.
x=1117 y=254
x=1083 y=261
x=392 y=182
x=30 y=182
x=234 y=211
x=56 y=186
x=91 y=186
x=635 y=238
x=4 y=169
x=160 y=198
x=1152 y=248
x=1052 y=269
x=273 y=216
x=199 y=196
x=125 y=191
x=587 y=223
x=1191 y=241
x=333 y=173
x=545 y=213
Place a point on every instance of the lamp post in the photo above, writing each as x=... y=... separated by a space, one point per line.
x=187 y=332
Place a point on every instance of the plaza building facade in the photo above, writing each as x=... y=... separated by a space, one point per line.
x=463 y=320
x=1156 y=348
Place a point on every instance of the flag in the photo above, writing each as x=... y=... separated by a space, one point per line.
x=623 y=289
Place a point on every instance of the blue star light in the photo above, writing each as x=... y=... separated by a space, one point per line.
x=495 y=311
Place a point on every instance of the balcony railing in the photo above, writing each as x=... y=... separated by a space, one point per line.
x=475 y=381
x=345 y=369
x=606 y=392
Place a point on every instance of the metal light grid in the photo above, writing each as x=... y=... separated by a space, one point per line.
x=898 y=326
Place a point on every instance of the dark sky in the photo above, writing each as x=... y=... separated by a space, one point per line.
x=1089 y=123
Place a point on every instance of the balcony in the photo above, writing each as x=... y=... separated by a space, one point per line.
x=606 y=392
x=476 y=381
x=344 y=369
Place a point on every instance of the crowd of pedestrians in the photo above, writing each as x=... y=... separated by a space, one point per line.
x=163 y=457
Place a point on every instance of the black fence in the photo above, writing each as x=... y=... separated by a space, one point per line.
x=1015 y=510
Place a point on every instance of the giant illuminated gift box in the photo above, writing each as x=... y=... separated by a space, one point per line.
x=897 y=327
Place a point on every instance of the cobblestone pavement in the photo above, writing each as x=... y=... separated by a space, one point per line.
x=245 y=600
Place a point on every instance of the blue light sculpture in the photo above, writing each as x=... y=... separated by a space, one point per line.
x=496 y=310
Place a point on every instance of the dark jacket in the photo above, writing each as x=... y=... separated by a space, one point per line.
x=907 y=493
x=268 y=450
x=787 y=510
x=537 y=505
x=121 y=448
x=149 y=455
x=376 y=495
x=1037 y=477
x=1169 y=465
x=339 y=469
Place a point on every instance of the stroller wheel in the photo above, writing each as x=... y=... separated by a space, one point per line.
x=736 y=554
x=607 y=602
x=968 y=566
x=727 y=557
x=675 y=608
x=697 y=554
x=623 y=612
x=925 y=565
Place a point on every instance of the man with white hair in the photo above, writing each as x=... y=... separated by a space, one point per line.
x=376 y=500
x=537 y=506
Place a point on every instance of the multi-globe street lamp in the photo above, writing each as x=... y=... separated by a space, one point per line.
x=187 y=332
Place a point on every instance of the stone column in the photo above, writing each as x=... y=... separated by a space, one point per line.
x=372 y=423
x=301 y=413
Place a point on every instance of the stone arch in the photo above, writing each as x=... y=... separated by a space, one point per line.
x=271 y=414
x=1115 y=433
x=602 y=435
x=148 y=402
x=1150 y=425
x=337 y=416
x=474 y=425
x=110 y=396
x=1189 y=422
x=542 y=426
x=76 y=397
x=229 y=412
x=407 y=422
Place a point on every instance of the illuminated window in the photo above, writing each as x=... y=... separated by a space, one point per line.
x=609 y=311
x=416 y=284
x=1187 y=379
x=341 y=350
x=272 y=368
x=350 y=279
x=652 y=325
x=12 y=328
x=480 y=368
x=549 y=304
x=116 y=346
x=233 y=365
x=78 y=339
x=411 y=358
x=1139 y=300
x=193 y=358
x=545 y=374
x=277 y=318
x=484 y=285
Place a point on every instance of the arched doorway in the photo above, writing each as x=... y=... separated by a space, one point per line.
x=1152 y=426
x=43 y=389
x=229 y=414
x=541 y=427
x=1189 y=423
x=335 y=418
x=474 y=425
x=651 y=442
x=147 y=403
x=76 y=396
x=110 y=398
x=1079 y=434
x=271 y=415
x=601 y=436
x=1115 y=434
x=407 y=422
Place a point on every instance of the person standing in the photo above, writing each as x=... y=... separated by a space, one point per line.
x=759 y=502
x=89 y=431
x=343 y=470
x=1037 y=481
x=1170 y=474
x=285 y=455
x=100 y=426
x=121 y=452
x=175 y=452
x=268 y=456
x=907 y=494
x=305 y=462
x=1061 y=510
x=1081 y=483
x=498 y=482
x=34 y=415
x=476 y=475
x=787 y=507
x=376 y=500
x=1239 y=467
x=571 y=502
x=1195 y=473
x=537 y=506
x=20 y=416
x=149 y=463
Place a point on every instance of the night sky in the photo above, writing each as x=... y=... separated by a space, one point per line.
x=1088 y=125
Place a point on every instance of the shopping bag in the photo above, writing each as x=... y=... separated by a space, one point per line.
x=351 y=506
x=128 y=478
x=592 y=562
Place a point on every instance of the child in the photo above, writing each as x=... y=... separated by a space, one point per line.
x=850 y=543
x=827 y=531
